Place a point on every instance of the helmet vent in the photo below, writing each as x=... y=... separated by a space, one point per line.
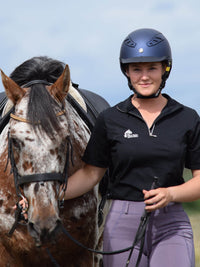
x=155 y=40
x=129 y=42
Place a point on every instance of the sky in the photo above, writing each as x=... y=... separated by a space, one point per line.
x=87 y=35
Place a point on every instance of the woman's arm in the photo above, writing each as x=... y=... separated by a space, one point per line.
x=83 y=181
x=189 y=191
x=79 y=183
x=160 y=197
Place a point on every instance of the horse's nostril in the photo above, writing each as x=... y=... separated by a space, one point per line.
x=31 y=226
x=58 y=222
x=34 y=234
x=44 y=231
x=33 y=229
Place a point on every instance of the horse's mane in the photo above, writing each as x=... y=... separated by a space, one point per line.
x=40 y=105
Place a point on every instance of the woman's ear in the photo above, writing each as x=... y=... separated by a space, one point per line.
x=127 y=70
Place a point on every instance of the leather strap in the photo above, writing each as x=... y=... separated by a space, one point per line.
x=40 y=177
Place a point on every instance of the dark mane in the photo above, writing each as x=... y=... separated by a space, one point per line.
x=41 y=106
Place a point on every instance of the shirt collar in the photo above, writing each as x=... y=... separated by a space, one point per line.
x=126 y=106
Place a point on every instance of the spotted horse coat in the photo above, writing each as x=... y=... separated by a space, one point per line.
x=38 y=150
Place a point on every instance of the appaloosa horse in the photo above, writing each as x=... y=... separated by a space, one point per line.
x=42 y=144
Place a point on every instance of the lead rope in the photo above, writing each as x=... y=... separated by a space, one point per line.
x=52 y=258
x=140 y=234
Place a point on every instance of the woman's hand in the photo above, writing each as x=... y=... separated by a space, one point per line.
x=156 y=198
x=24 y=204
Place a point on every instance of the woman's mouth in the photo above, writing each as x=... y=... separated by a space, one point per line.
x=145 y=85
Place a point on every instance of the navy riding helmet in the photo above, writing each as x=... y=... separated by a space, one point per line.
x=146 y=45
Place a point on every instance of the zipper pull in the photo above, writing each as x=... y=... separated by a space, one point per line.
x=151 y=131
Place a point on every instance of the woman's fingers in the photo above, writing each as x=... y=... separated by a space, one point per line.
x=24 y=206
x=156 y=198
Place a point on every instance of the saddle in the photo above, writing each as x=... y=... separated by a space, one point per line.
x=94 y=105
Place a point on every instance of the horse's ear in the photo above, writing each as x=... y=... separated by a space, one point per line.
x=13 y=91
x=60 y=88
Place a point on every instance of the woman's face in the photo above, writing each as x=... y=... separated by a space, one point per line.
x=145 y=77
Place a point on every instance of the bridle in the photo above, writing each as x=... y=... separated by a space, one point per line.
x=39 y=177
x=17 y=118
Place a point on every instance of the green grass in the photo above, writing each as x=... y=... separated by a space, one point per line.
x=195 y=219
x=193 y=211
x=194 y=206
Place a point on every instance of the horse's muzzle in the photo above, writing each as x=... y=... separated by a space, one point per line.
x=44 y=232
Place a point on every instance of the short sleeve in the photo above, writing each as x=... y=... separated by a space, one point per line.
x=97 y=150
x=193 y=145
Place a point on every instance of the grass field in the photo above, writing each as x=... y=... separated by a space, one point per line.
x=193 y=210
x=195 y=221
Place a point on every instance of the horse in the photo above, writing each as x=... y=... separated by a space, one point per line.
x=41 y=146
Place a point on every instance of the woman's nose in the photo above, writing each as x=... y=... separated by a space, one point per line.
x=144 y=75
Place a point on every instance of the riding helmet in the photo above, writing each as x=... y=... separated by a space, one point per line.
x=146 y=45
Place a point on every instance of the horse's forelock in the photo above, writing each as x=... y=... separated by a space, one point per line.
x=41 y=110
x=38 y=68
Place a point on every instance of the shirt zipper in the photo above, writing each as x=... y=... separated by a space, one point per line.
x=151 y=130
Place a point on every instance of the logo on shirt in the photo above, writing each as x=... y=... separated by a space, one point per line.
x=130 y=134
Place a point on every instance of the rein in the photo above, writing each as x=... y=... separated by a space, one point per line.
x=139 y=237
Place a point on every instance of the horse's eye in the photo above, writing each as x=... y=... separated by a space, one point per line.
x=17 y=144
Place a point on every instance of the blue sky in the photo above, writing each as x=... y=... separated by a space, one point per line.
x=87 y=35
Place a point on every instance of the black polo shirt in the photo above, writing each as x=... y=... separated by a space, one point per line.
x=122 y=141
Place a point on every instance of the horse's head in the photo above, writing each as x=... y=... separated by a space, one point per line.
x=39 y=131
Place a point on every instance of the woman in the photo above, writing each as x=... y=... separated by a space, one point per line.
x=147 y=135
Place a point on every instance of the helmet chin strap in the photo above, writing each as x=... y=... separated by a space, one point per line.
x=138 y=95
x=155 y=95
